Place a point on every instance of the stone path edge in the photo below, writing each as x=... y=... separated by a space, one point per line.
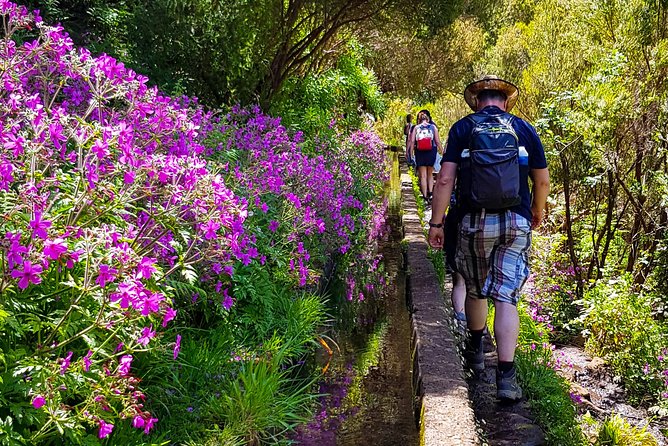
x=442 y=406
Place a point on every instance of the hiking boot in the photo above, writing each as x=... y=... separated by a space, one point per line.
x=507 y=388
x=475 y=358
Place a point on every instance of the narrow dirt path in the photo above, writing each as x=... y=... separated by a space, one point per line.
x=502 y=424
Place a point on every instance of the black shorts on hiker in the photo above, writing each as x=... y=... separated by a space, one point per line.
x=425 y=157
x=451 y=236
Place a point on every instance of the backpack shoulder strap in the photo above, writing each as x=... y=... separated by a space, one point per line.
x=476 y=118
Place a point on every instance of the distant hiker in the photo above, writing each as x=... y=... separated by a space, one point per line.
x=426 y=112
x=492 y=154
x=424 y=144
x=408 y=127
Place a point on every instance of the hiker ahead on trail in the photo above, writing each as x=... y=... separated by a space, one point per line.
x=408 y=128
x=424 y=144
x=491 y=154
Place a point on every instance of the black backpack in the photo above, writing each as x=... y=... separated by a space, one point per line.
x=489 y=172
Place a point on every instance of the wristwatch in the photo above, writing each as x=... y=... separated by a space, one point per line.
x=435 y=225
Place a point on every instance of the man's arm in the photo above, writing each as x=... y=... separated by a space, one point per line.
x=445 y=182
x=541 y=188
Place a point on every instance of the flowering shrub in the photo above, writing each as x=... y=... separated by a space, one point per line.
x=312 y=207
x=105 y=196
x=117 y=218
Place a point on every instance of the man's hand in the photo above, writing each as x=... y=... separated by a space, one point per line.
x=537 y=217
x=436 y=237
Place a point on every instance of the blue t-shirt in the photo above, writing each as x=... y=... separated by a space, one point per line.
x=459 y=139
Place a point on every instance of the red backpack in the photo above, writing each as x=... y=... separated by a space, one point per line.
x=424 y=137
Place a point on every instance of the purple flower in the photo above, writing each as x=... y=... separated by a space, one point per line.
x=149 y=424
x=53 y=249
x=100 y=148
x=170 y=314
x=65 y=364
x=227 y=301
x=138 y=422
x=40 y=226
x=147 y=334
x=106 y=274
x=86 y=360
x=38 y=401
x=146 y=268
x=210 y=230
x=124 y=365
x=29 y=274
x=177 y=346
x=105 y=429
x=15 y=253
x=273 y=225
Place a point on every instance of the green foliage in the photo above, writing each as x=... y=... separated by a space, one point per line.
x=235 y=50
x=623 y=332
x=264 y=402
x=222 y=391
x=547 y=392
x=391 y=126
x=616 y=431
x=345 y=94
x=266 y=306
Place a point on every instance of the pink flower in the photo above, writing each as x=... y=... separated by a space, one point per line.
x=65 y=364
x=151 y=303
x=29 y=274
x=146 y=334
x=138 y=422
x=210 y=230
x=100 y=148
x=38 y=401
x=15 y=253
x=105 y=429
x=149 y=424
x=146 y=268
x=53 y=249
x=15 y=144
x=86 y=360
x=124 y=365
x=177 y=346
x=170 y=314
x=129 y=177
x=40 y=226
x=106 y=274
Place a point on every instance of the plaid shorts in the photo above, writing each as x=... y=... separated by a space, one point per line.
x=493 y=255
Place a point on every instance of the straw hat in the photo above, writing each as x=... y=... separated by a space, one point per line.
x=491 y=82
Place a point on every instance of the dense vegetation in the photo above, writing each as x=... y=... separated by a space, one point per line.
x=161 y=263
x=138 y=222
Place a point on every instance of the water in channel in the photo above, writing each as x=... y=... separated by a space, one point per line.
x=368 y=395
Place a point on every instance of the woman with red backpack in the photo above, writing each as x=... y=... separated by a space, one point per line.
x=424 y=145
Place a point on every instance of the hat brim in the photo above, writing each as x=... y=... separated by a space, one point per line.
x=472 y=90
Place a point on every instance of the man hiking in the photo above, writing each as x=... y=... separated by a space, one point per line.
x=491 y=154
